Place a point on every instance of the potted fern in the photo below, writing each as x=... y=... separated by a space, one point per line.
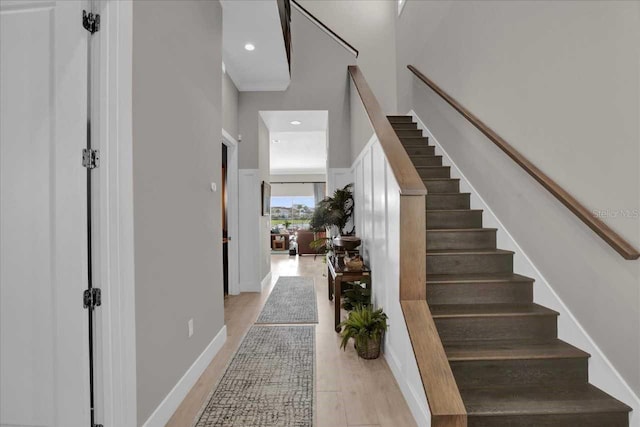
x=367 y=327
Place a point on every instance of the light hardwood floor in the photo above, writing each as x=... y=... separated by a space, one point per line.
x=349 y=391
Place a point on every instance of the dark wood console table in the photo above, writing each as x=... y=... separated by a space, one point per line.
x=336 y=275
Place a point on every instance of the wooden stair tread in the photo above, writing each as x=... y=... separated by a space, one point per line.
x=473 y=230
x=441 y=179
x=478 y=277
x=451 y=210
x=414 y=139
x=441 y=311
x=521 y=400
x=469 y=251
x=511 y=350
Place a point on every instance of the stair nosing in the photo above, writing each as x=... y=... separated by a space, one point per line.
x=545 y=312
x=454 y=210
x=621 y=407
x=568 y=351
x=458 y=230
x=460 y=278
x=492 y=251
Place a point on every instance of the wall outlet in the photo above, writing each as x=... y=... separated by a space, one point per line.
x=190 y=323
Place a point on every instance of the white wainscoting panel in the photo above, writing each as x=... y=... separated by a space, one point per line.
x=377 y=219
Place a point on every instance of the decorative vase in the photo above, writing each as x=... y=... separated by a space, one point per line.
x=347 y=243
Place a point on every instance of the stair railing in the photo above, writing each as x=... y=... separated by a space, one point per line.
x=617 y=242
x=441 y=390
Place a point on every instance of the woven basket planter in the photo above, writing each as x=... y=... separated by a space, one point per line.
x=368 y=348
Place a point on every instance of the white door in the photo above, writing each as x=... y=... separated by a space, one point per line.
x=43 y=258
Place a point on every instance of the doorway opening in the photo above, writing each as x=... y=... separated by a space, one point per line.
x=225 y=228
x=230 y=218
x=298 y=153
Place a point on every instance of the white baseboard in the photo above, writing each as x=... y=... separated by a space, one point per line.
x=170 y=403
x=420 y=412
x=266 y=281
x=602 y=373
x=249 y=287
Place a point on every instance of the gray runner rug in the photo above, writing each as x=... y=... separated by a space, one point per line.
x=269 y=382
x=293 y=300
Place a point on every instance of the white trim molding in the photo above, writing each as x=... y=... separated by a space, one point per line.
x=266 y=281
x=602 y=373
x=233 y=217
x=170 y=403
x=116 y=396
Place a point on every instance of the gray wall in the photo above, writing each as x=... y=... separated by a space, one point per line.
x=361 y=127
x=319 y=81
x=368 y=25
x=176 y=155
x=561 y=82
x=265 y=220
x=229 y=106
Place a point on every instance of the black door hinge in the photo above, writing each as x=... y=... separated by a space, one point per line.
x=90 y=158
x=92 y=298
x=90 y=22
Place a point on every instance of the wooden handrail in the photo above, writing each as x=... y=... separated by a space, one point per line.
x=443 y=396
x=322 y=25
x=405 y=173
x=284 y=10
x=617 y=242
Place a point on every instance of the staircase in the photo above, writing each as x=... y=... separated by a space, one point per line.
x=504 y=351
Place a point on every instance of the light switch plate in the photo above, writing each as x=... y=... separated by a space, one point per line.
x=214 y=187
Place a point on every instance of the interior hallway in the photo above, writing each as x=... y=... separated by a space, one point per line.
x=349 y=391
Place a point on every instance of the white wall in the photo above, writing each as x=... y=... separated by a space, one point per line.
x=560 y=81
x=299 y=178
x=292 y=190
x=368 y=25
x=177 y=55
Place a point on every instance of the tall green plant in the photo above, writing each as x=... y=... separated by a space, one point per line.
x=334 y=211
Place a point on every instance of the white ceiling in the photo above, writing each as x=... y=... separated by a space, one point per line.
x=298 y=153
x=301 y=149
x=257 y=22
x=280 y=121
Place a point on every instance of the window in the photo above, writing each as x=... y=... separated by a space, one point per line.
x=291 y=212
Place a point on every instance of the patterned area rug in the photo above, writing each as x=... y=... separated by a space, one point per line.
x=269 y=382
x=293 y=300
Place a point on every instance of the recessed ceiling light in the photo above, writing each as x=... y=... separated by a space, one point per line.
x=296 y=122
x=249 y=47
x=275 y=141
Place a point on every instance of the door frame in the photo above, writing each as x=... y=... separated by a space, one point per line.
x=232 y=211
x=114 y=273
